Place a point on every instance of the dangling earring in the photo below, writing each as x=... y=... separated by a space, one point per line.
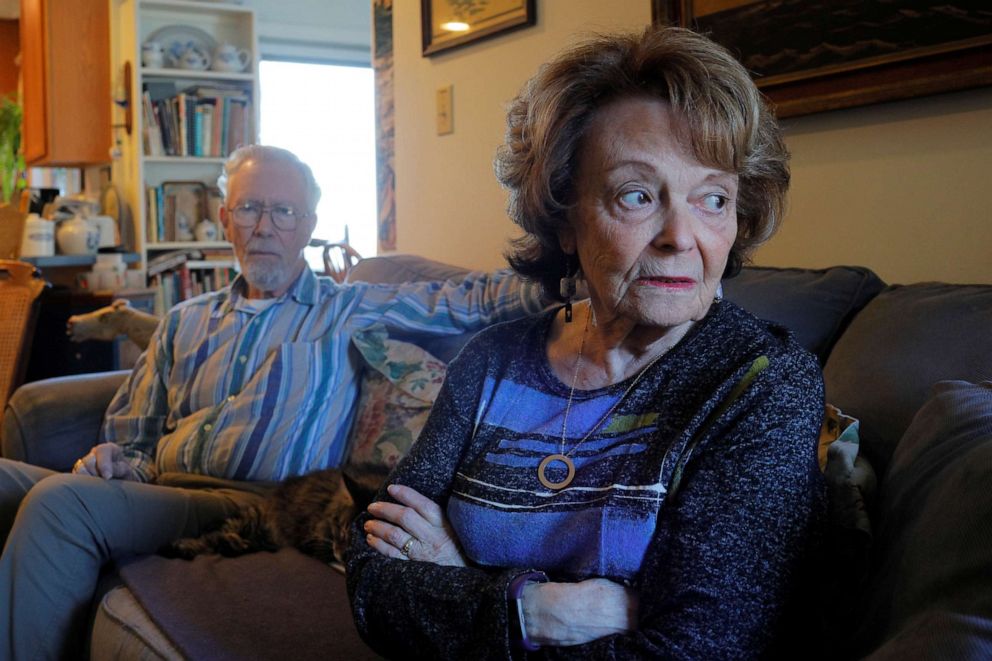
x=566 y=288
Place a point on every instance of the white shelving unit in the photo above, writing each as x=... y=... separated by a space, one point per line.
x=133 y=21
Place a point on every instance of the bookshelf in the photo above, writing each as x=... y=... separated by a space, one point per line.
x=185 y=122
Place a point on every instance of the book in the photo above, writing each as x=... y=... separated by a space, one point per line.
x=166 y=262
x=185 y=283
x=151 y=132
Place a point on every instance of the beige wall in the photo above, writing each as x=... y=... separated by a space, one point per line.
x=898 y=187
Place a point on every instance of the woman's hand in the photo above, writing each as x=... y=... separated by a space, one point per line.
x=561 y=614
x=414 y=529
x=105 y=460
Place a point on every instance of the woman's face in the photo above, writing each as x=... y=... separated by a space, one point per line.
x=651 y=225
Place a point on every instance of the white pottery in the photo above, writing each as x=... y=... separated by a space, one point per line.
x=153 y=55
x=229 y=57
x=195 y=58
x=76 y=236
x=108 y=230
x=206 y=231
x=39 y=237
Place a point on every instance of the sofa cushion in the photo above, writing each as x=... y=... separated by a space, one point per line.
x=123 y=630
x=931 y=557
x=906 y=339
x=816 y=304
x=399 y=384
x=399 y=269
x=257 y=606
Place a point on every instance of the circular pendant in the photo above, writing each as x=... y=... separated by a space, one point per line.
x=544 y=478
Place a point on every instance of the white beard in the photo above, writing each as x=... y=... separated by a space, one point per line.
x=264 y=277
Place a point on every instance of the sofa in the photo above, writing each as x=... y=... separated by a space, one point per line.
x=911 y=363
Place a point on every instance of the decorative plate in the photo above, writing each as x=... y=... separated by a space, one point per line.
x=175 y=39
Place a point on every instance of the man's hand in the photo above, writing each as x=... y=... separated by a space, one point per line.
x=561 y=614
x=415 y=529
x=105 y=460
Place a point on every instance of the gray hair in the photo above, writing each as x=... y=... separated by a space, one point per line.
x=727 y=125
x=242 y=155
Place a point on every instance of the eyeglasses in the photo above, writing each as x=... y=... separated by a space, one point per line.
x=284 y=216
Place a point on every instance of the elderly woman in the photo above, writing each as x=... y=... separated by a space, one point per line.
x=637 y=476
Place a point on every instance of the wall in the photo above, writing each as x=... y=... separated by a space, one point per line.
x=448 y=203
x=10 y=40
x=897 y=187
x=338 y=31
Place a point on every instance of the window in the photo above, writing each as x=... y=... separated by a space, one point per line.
x=325 y=114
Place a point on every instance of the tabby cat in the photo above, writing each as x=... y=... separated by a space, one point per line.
x=311 y=512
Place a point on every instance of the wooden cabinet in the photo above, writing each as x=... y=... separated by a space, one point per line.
x=65 y=65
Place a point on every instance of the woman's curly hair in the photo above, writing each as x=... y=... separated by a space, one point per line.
x=727 y=126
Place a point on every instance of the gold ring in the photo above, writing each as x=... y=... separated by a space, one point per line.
x=405 y=549
x=76 y=466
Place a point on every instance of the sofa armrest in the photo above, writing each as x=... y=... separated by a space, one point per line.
x=53 y=422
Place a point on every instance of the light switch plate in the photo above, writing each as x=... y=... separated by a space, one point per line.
x=445 y=110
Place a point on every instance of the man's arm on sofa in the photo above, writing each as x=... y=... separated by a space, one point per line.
x=54 y=422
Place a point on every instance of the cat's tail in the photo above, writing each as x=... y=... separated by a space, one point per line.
x=244 y=533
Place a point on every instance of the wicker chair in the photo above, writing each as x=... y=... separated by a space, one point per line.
x=20 y=286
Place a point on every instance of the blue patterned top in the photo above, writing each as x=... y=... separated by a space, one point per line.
x=228 y=390
x=702 y=492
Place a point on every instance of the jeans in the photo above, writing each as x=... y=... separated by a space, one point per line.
x=61 y=529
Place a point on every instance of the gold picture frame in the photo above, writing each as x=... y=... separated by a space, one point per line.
x=448 y=24
x=812 y=57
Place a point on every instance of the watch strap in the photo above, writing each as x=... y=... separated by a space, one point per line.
x=515 y=592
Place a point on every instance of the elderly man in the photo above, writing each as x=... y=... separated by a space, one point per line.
x=247 y=385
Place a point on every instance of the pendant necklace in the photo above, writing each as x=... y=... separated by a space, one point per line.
x=561 y=455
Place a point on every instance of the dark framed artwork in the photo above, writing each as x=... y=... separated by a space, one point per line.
x=447 y=24
x=814 y=55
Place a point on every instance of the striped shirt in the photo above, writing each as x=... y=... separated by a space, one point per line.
x=234 y=390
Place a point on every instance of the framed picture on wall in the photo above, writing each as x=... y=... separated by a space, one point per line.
x=448 y=24
x=829 y=54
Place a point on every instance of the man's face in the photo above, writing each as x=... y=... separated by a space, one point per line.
x=271 y=257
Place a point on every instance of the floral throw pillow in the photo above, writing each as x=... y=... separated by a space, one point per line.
x=398 y=388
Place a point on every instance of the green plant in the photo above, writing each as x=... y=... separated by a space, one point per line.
x=11 y=159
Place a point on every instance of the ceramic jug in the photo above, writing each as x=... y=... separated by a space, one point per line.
x=76 y=236
x=229 y=57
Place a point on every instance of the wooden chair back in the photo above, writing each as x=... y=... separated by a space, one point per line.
x=339 y=258
x=20 y=287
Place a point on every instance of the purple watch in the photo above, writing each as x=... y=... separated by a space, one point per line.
x=515 y=593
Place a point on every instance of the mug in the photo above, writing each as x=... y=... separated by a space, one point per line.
x=153 y=55
x=107 y=227
x=229 y=57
